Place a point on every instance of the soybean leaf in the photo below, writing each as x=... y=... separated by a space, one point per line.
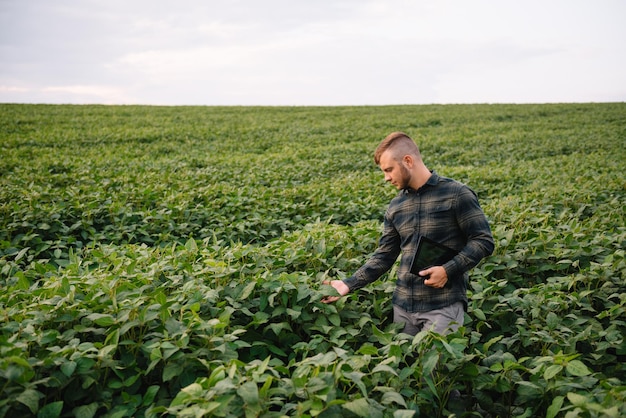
x=577 y=368
x=30 y=398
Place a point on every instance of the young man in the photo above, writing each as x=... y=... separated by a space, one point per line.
x=435 y=207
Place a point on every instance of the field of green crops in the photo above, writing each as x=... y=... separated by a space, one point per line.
x=168 y=261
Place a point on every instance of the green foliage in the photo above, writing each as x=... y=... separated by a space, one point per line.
x=161 y=261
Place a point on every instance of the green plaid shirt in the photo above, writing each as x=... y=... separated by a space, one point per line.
x=443 y=210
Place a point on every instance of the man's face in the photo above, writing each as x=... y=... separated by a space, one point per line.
x=395 y=172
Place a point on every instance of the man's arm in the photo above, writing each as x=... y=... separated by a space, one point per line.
x=378 y=264
x=474 y=225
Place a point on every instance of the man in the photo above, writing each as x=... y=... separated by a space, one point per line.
x=427 y=205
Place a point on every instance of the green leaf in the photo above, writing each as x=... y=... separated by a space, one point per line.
x=23 y=283
x=278 y=327
x=303 y=292
x=113 y=338
x=86 y=411
x=577 y=400
x=384 y=368
x=552 y=320
x=68 y=368
x=186 y=394
x=191 y=245
x=529 y=390
x=276 y=350
x=51 y=410
x=381 y=336
x=491 y=342
x=30 y=398
x=21 y=253
x=368 y=349
x=552 y=371
x=555 y=407
x=155 y=354
x=115 y=384
x=107 y=350
x=393 y=397
x=496 y=367
x=430 y=360
x=357 y=377
x=335 y=319
x=404 y=413
x=359 y=407
x=217 y=375
x=478 y=313
x=103 y=320
x=84 y=365
x=577 y=368
x=249 y=392
x=247 y=291
x=470 y=370
x=293 y=314
x=172 y=370
x=168 y=349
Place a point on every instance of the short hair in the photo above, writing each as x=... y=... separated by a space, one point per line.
x=399 y=142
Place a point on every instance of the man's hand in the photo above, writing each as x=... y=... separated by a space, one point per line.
x=339 y=286
x=435 y=277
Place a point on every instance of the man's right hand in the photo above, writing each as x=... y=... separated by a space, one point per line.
x=339 y=286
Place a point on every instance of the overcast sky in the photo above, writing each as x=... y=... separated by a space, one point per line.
x=312 y=52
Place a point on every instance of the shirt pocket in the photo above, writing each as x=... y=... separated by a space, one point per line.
x=441 y=208
x=441 y=215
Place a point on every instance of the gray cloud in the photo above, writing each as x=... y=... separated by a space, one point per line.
x=301 y=52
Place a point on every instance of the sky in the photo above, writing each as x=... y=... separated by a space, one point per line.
x=312 y=52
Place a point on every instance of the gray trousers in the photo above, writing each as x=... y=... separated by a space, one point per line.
x=442 y=321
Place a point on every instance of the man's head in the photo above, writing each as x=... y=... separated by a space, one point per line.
x=400 y=160
x=398 y=144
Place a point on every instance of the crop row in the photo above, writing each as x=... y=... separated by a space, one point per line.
x=169 y=261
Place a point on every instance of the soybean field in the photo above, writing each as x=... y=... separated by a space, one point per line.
x=168 y=261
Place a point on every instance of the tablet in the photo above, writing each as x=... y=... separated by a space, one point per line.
x=430 y=253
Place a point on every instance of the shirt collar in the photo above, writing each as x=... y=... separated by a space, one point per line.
x=432 y=181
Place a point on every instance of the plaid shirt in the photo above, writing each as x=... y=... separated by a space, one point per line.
x=443 y=210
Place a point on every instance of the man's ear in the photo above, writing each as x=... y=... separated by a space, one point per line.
x=408 y=160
